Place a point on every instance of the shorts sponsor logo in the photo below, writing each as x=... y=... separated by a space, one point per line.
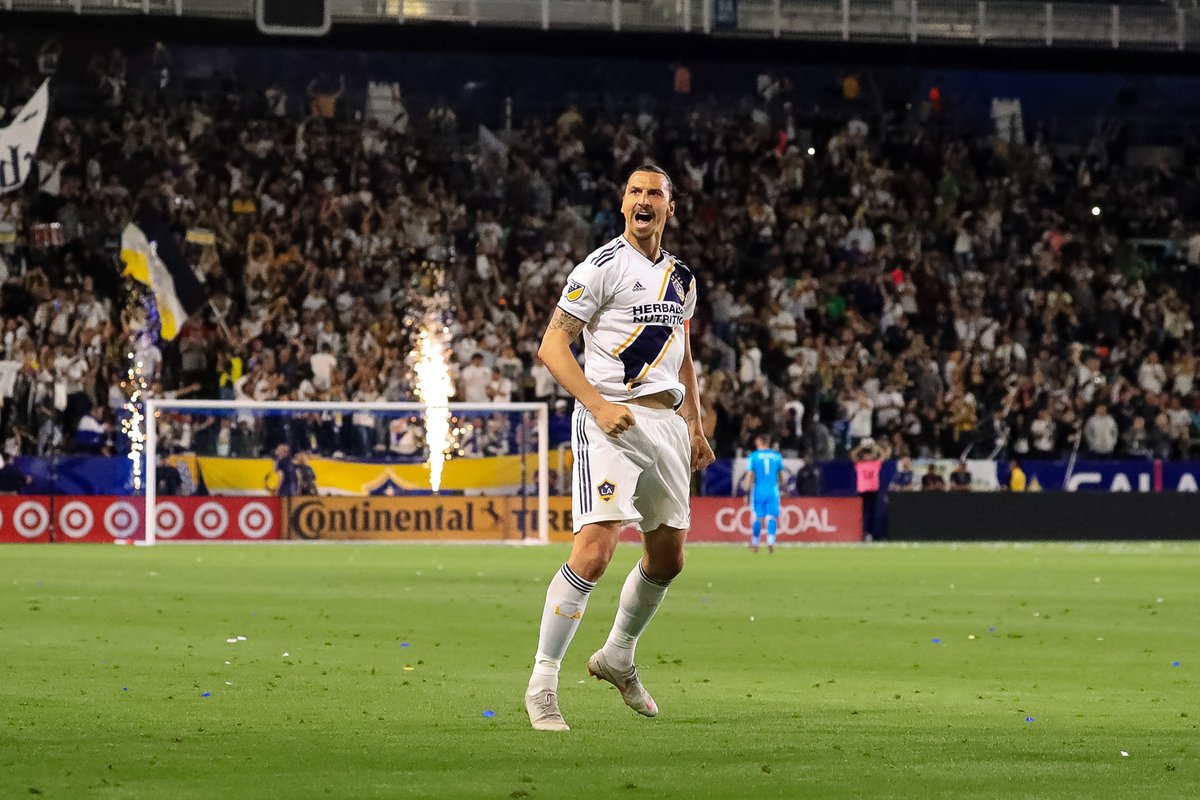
x=169 y=520
x=75 y=519
x=574 y=291
x=606 y=490
x=255 y=520
x=121 y=519
x=30 y=520
x=211 y=520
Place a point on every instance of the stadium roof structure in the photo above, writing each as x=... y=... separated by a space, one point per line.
x=1127 y=26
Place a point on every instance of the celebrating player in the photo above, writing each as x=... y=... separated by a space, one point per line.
x=636 y=438
x=764 y=471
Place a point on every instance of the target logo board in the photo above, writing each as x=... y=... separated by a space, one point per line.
x=110 y=519
x=25 y=519
x=201 y=518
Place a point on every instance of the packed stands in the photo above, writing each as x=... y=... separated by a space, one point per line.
x=866 y=270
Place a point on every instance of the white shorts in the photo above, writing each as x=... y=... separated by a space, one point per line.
x=643 y=475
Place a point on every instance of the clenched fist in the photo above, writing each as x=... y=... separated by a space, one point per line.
x=614 y=418
x=702 y=454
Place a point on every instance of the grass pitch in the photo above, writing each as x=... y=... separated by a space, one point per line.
x=366 y=671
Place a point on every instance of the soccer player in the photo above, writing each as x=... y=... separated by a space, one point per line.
x=636 y=438
x=764 y=471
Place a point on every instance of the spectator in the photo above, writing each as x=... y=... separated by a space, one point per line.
x=903 y=479
x=1016 y=476
x=1100 y=433
x=932 y=480
x=960 y=478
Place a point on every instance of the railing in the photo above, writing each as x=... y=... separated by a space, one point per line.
x=997 y=22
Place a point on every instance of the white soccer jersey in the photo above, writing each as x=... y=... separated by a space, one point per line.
x=635 y=310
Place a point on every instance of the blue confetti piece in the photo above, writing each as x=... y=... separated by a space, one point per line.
x=404 y=644
x=1174 y=663
x=126 y=688
x=1029 y=719
x=488 y=714
x=207 y=694
x=991 y=630
x=937 y=641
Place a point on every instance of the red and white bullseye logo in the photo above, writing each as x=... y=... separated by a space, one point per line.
x=121 y=519
x=75 y=519
x=30 y=519
x=211 y=520
x=169 y=520
x=255 y=520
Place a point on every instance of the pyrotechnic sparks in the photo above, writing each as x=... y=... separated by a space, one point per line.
x=142 y=320
x=434 y=388
x=428 y=321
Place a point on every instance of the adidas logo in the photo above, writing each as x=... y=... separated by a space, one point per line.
x=637 y=286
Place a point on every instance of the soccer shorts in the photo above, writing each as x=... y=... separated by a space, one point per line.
x=764 y=507
x=641 y=476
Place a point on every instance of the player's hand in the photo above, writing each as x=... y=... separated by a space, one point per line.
x=702 y=454
x=614 y=418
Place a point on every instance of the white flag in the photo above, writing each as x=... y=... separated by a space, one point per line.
x=19 y=141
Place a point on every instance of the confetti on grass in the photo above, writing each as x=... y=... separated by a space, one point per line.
x=1029 y=719
x=937 y=641
x=488 y=714
x=207 y=694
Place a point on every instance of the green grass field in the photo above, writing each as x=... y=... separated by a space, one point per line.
x=810 y=673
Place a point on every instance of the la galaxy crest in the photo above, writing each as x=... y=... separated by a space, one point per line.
x=574 y=291
x=606 y=489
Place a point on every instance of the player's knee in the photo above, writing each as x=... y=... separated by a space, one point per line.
x=590 y=562
x=665 y=567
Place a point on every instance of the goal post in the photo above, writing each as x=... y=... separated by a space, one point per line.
x=155 y=408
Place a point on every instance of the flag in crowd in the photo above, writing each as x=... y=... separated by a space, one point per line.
x=153 y=258
x=19 y=141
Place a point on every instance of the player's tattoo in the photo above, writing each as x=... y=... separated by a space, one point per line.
x=566 y=323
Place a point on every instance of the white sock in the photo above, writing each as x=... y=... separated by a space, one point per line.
x=640 y=598
x=565 y=601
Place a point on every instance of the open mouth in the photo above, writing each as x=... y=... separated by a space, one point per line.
x=643 y=217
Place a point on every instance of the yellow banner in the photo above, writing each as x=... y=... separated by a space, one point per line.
x=335 y=477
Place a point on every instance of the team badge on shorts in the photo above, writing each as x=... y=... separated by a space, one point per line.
x=606 y=489
x=574 y=291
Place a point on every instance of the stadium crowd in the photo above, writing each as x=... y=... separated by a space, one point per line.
x=865 y=272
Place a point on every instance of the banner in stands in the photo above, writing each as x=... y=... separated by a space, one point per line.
x=25 y=519
x=256 y=476
x=1116 y=476
x=109 y=519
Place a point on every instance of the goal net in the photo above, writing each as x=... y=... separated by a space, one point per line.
x=378 y=471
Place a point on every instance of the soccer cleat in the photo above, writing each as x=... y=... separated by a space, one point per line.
x=628 y=684
x=542 y=707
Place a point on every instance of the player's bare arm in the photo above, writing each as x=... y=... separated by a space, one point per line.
x=702 y=454
x=555 y=353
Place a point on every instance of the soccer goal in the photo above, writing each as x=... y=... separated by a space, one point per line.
x=327 y=470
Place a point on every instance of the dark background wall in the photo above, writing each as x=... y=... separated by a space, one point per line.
x=948 y=516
